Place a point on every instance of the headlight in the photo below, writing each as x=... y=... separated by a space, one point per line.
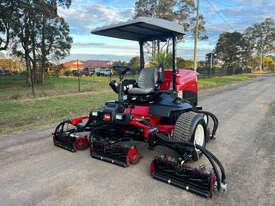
x=94 y=114
x=119 y=116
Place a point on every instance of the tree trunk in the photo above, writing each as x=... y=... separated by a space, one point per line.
x=262 y=61
x=32 y=82
x=28 y=74
x=34 y=62
x=43 y=52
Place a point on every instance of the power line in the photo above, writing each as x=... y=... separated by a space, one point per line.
x=220 y=15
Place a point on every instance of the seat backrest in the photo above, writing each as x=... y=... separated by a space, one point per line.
x=148 y=78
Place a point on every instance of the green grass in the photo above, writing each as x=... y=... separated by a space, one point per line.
x=14 y=87
x=26 y=113
x=58 y=99
x=222 y=81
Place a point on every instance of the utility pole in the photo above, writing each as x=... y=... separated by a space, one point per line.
x=211 y=61
x=196 y=36
x=78 y=75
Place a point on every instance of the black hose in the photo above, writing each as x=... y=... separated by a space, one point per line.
x=219 y=164
x=214 y=118
x=212 y=162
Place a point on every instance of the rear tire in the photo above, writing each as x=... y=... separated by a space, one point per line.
x=191 y=127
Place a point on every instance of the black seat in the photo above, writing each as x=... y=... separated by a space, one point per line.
x=147 y=82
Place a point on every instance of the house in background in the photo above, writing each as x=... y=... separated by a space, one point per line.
x=91 y=64
x=12 y=64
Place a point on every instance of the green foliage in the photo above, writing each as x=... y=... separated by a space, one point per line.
x=120 y=63
x=261 y=39
x=230 y=49
x=165 y=59
x=268 y=62
x=184 y=64
x=36 y=32
x=262 y=36
x=162 y=59
x=134 y=64
x=68 y=73
x=177 y=10
x=182 y=11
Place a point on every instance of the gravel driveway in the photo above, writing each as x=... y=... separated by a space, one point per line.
x=34 y=172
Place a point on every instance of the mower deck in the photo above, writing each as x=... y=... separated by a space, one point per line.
x=195 y=180
x=115 y=154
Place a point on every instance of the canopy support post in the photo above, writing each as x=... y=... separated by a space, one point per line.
x=174 y=64
x=141 y=58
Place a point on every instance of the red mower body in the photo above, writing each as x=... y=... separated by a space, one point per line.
x=186 y=80
x=187 y=86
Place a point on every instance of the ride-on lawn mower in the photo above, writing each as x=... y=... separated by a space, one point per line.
x=160 y=108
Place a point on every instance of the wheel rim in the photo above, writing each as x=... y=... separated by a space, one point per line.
x=199 y=135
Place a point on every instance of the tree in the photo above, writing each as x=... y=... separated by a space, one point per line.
x=262 y=38
x=7 y=10
x=268 y=62
x=162 y=59
x=184 y=64
x=179 y=10
x=134 y=64
x=55 y=41
x=51 y=27
x=120 y=63
x=230 y=49
x=39 y=35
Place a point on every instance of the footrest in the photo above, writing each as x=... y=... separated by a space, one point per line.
x=115 y=154
x=174 y=172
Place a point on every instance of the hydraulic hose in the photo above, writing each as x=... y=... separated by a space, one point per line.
x=214 y=118
x=212 y=162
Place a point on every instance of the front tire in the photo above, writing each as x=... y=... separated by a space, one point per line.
x=191 y=127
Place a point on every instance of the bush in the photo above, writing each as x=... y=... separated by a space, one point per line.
x=68 y=73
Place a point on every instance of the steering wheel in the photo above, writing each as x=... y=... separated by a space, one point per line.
x=121 y=70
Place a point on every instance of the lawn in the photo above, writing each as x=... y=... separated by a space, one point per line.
x=205 y=83
x=58 y=99
x=14 y=87
x=26 y=113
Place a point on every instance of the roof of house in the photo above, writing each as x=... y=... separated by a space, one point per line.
x=142 y=29
x=87 y=64
x=97 y=63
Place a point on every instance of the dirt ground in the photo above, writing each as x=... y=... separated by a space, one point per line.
x=34 y=172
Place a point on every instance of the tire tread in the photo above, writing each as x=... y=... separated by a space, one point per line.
x=182 y=131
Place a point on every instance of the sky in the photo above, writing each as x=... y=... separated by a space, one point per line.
x=220 y=16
